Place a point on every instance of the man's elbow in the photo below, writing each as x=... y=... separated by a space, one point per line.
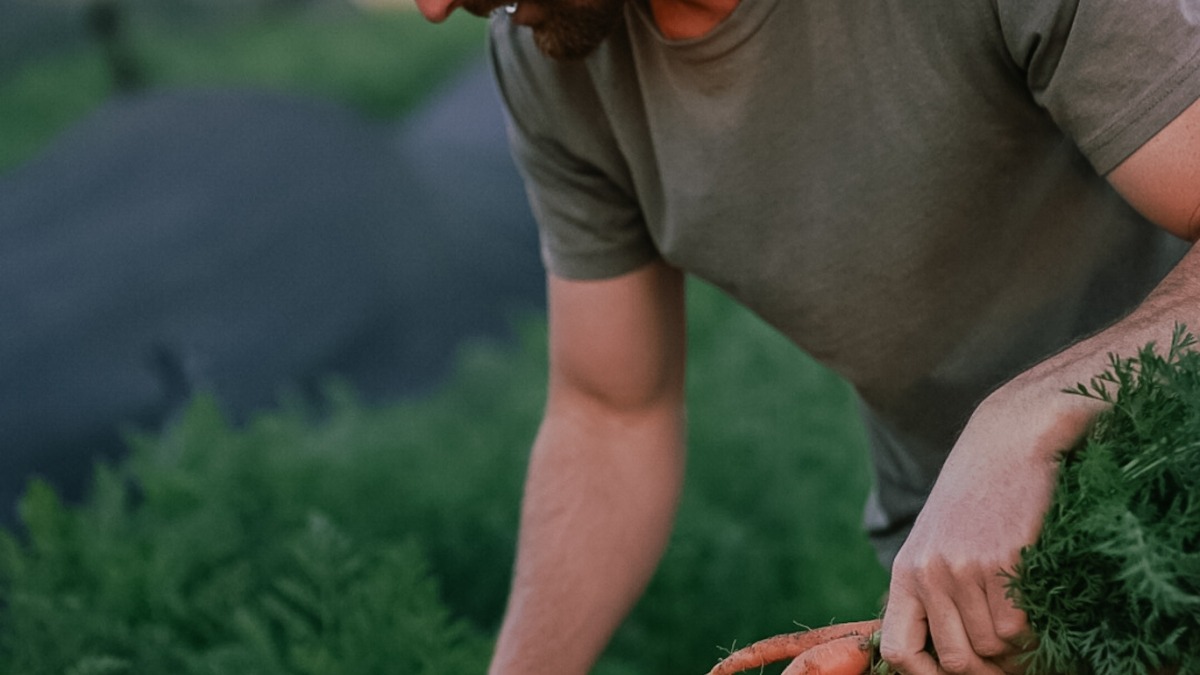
x=1191 y=227
x=617 y=392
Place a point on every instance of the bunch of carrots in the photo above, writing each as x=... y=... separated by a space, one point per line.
x=840 y=649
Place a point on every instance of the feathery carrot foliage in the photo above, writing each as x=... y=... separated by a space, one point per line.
x=1112 y=586
x=380 y=540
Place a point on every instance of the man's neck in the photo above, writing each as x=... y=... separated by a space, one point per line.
x=683 y=19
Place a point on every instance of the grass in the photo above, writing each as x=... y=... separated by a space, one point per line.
x=43 y=99
x=379 y=63
x=382 y=64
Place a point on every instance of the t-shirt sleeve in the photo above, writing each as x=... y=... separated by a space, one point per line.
x=1112 y=73
x=577 y=181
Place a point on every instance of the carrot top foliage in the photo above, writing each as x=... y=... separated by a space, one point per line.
x=1112 y=585
x=358 y=539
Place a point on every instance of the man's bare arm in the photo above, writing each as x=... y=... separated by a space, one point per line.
x=605 y=473
x=995 y=487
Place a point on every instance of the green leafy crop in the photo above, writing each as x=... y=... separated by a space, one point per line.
x=212 y=565
x=1112 y=585
x=346 y=538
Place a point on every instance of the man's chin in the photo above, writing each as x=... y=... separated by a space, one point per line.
x=573 y=35
x=552 y=46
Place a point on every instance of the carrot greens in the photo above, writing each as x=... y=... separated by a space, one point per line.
x=1112 y=585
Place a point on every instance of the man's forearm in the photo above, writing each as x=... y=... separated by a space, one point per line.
x=1175 y=300
x=600 y=498
x=993 y=492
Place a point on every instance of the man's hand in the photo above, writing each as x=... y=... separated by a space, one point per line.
x=989 y=501
x=948 y=585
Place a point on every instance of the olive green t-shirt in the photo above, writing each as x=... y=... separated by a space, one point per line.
x=910 y=190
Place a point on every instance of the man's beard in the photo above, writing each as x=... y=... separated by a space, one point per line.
x=572 y=29
x=568 y=30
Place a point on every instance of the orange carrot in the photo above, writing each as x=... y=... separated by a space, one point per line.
x=790 y=645
x=850 y=655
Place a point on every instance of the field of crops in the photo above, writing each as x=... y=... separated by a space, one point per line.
x=380 y=540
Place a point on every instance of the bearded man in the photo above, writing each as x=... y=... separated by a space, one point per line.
x=961 y=206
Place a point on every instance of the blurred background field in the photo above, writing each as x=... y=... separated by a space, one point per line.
x=379 y=538
x=52 y=70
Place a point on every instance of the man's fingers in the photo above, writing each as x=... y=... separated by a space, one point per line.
x=1010 y=623
x=958 y=615
x=904 y=635
x=954 y=639
x=974 y=604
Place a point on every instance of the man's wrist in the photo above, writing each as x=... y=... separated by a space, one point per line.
x=1039 y=403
